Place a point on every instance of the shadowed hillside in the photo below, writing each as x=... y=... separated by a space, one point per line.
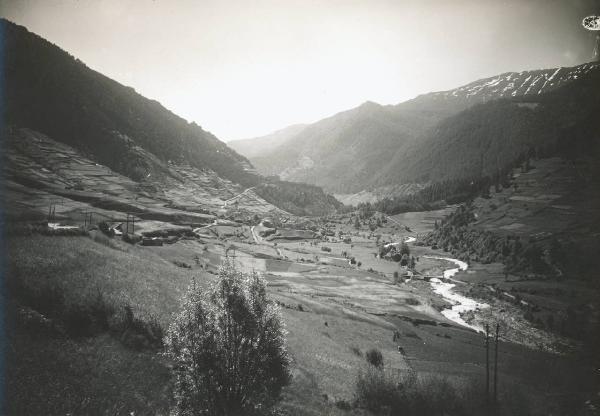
x=54 y=94
x=50 y=91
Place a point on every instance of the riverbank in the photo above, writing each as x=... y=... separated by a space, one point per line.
x=477 y=300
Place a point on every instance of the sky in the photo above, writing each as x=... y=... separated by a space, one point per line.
x=243 y=69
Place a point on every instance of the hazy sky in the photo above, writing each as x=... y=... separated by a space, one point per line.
x=245 y=68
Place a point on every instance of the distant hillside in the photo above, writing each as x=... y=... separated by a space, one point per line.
x=366 y=147
x=256 y=147
x=299 y=198
x=342 y=151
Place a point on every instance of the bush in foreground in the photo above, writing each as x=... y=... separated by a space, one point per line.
x=384 y=392
x=228 y=345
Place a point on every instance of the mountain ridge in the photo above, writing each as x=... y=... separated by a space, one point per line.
x=310 y=156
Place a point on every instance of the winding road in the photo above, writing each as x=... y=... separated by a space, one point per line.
x=237 y=196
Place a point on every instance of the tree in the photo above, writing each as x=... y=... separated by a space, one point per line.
x=375 y=358
x=228 y=348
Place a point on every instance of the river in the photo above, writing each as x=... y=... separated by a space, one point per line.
x=460 y=303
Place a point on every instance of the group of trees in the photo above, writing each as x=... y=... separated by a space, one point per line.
x=399 y=254
x=366 y=214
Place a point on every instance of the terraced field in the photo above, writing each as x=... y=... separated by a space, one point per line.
x=546 y=200
x=42 y=174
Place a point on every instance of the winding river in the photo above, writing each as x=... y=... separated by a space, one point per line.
x=460 y=303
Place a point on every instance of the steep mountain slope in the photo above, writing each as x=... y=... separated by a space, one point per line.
x=51 y=94
x=257 y=146
x=373 y=139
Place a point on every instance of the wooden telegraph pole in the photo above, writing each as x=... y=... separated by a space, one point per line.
x=487 y=362
x=496 y=365
x=51 y=211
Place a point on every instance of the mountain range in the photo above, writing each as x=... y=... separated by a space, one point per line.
x=372 y=152
x=484 y=125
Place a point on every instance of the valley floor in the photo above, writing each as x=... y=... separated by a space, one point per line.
x=333 y=311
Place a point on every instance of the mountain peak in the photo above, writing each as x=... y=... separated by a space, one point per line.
x=370 y=104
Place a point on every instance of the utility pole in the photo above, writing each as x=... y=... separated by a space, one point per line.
x=496 y=365
x=51 y=211
x=487 y=363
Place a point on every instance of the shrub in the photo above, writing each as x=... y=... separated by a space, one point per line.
x=355 y=350
x=343 y=405
x=412 y=301
x=376 y=390
x=105 y=228
x=374 y=357
x=407 y=395
x=137 y=333
x=228 y=348
x=101 y=238
x=182 y=264
x=131 y=238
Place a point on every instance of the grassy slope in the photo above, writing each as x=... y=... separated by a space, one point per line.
x=55 y=374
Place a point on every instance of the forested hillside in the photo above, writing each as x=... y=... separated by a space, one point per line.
x=50 y=91
x=484 y=140
x=298 y=198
